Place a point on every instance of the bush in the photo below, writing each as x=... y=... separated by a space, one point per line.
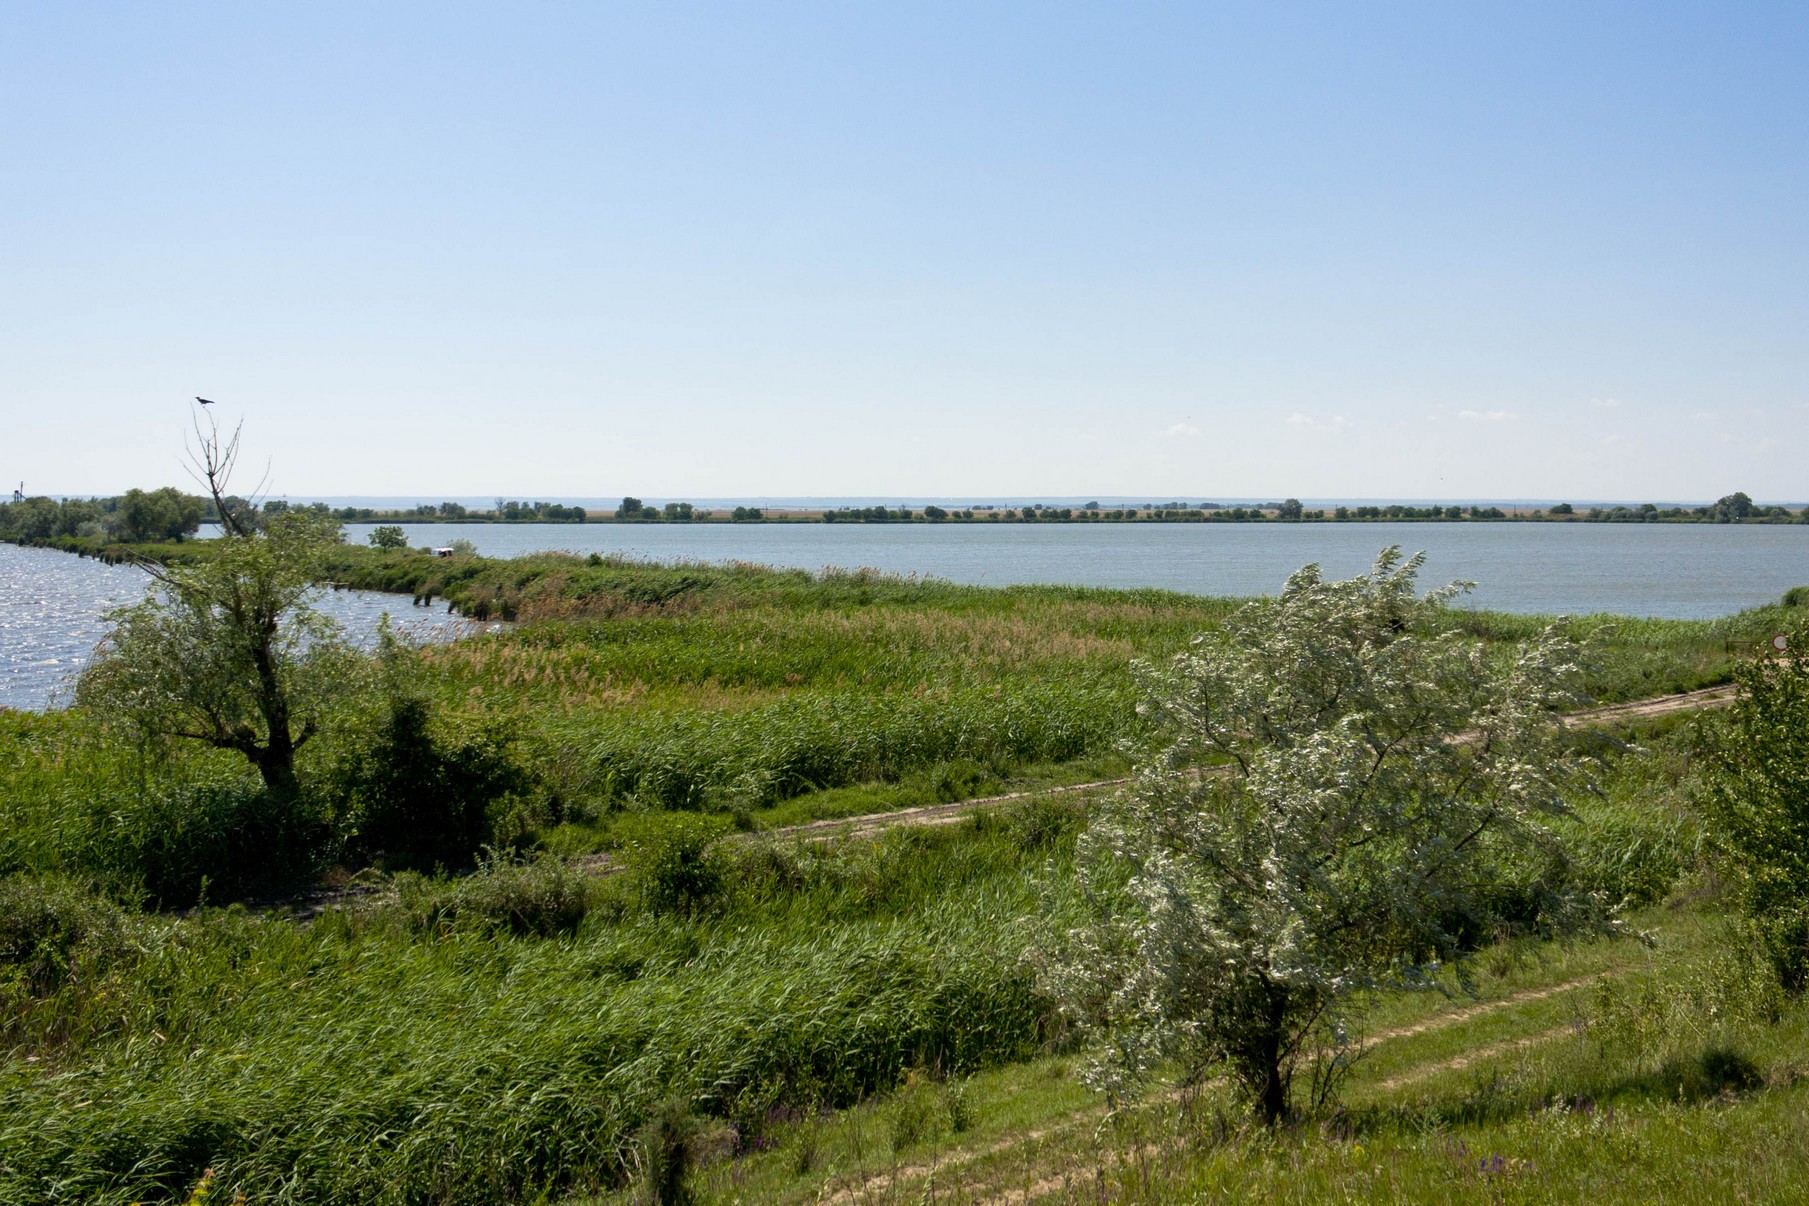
x=418 y=799
x=1755 y=795
x=1797 y=596
x=189 y=843
x=527 y=897
x=1783 y=937
x=670 y=866
x=55 y=930
x=668 y=1143
x=1718 y=1070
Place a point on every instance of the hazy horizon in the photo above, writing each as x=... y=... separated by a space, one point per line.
x=607 y=502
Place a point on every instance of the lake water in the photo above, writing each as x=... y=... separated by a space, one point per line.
x=1674 y=570
x=51 y=603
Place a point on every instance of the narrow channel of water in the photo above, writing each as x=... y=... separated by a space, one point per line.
x=53 y=608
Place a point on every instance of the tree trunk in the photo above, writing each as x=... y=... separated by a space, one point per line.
x=1272 y=1081
x=276 y=764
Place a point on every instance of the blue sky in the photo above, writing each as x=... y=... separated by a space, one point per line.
x=1380 y=250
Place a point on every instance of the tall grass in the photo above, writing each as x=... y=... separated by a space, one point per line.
x=368 y=1059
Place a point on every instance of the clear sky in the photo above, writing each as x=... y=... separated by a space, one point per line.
x=1213 y=250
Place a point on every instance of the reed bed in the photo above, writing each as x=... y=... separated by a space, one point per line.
x=366 y=1059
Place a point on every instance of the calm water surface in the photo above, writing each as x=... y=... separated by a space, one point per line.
x=1674 y=570
x=52 y=607
x=51 y=603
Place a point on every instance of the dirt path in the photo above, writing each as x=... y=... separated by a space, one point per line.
x=943 y=814
x=1477 y=1056
x=880 y=1184
x=309 y=904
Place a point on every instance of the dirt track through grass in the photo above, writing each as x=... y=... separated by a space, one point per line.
x=943 y=814
x=309 y=904
x=875 y=1187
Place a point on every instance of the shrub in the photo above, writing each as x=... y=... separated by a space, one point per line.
x=1041 y=821
x=668 y=1143
x=418 y=798
x=55 y=930
x=209 y=841
x=1755 y=795
x=538 y=897
x=670 y=867
x=915 y=1112
x=1711 y=1073
x=961 y=779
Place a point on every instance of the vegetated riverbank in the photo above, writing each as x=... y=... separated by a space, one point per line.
x=517 y=1030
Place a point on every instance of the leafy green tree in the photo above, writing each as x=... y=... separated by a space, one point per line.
x=388 y=536
x=165 y=514
x=227 y=650
x=1755 y=793
x=1347 y=797
x=628 y=508
x=1731 y=508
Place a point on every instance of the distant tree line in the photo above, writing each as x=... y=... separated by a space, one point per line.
x=168 y=514
x=132 y=517
x=507 y=511
x=1733 y=508
x=879 y=514
x=633 y=510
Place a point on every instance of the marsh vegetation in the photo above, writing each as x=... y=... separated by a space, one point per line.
x=475 y=1016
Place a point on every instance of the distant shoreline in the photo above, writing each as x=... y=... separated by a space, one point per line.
x=1066 y=515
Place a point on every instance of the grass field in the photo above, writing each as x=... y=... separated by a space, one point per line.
x=1602 y=1071
x=848 y=1020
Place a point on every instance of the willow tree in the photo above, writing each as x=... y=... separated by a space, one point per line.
x=226 y=649
x=1347 y=796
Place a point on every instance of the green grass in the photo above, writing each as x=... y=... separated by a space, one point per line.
x=736 y=689
x=768 y=696
x=1554 y=1103
x=508 y=1034
x=423 y=1051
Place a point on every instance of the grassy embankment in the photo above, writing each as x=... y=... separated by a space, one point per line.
x=510 y=1033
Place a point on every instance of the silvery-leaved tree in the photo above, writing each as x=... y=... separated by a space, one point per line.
x=226 y=649
x=1348 y=794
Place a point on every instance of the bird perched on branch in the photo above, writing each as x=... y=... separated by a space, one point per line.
x=204 y=401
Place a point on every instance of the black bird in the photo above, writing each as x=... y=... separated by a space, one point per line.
x=204 y=401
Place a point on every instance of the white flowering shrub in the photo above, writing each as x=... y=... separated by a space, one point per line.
x=1348 y=797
